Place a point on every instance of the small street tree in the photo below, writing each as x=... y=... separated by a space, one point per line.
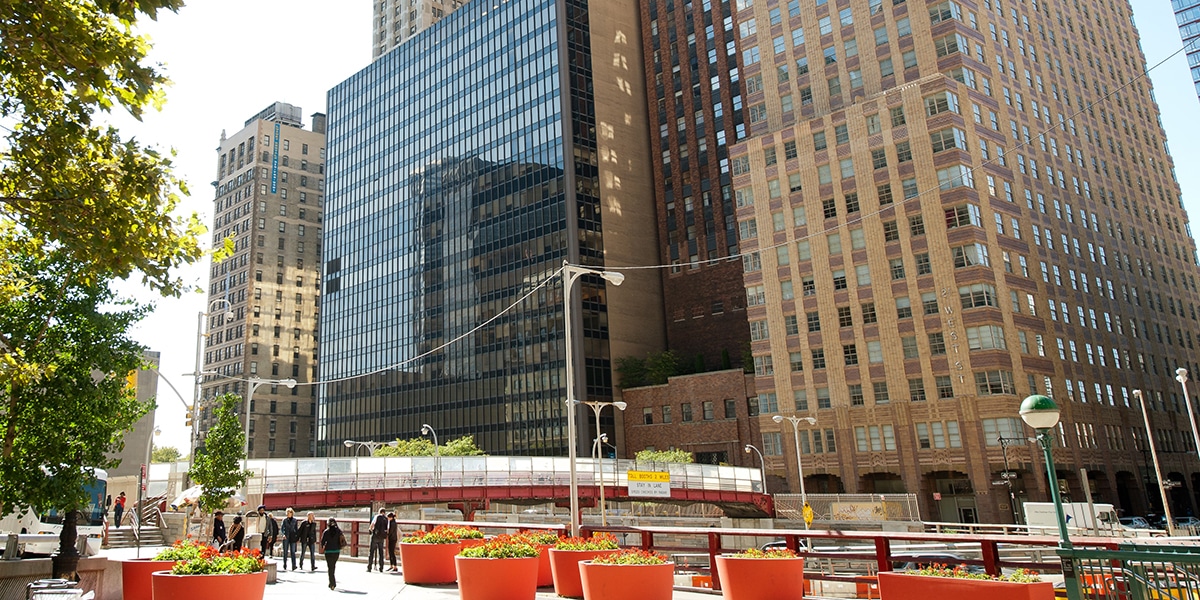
x=218 y=467
x=164 y=455
x=463 y=446
x=669 y=456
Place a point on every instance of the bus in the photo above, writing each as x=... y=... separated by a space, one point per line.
x=91 y=521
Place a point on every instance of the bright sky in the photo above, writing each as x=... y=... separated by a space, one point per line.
x=231 y=59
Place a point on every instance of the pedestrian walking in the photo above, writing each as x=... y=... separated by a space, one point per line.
x=308 y=540
x=290 y=530
x=218 y=532
x=393 y=536
x=119 y=508
x=270 y=535
x=237 y=534
x=332 y=541
x=379 y=529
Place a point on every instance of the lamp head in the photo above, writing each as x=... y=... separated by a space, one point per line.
x=1039 y=412
x=425 y=429
x=393 y=444
x=811 y=420
x=290 y=383
x=620 y=405
x=348 y=443
x=613 y=277
x=604 y=437
x=777 y=418
x=747 y=448
x=1181 y=375
x=229 y=315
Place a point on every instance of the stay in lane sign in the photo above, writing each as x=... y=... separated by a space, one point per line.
x=649 y=484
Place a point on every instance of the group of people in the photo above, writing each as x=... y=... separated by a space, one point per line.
x=306 y=534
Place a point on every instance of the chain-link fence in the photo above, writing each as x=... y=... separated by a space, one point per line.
x=869 y=508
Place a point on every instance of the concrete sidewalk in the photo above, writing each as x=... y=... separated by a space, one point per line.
x=353 y=581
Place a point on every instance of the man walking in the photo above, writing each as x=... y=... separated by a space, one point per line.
x=291 y=534
x=119 y=508
x=269 y=535
x=379 y=530
x=218 y=532
x=308 y=540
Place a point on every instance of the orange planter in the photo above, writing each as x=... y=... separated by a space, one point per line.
x=135 y=576
x=902 y=586
x=564 y=564
x=621 y=582
x=241 y=586
x=545 y=573
x=496 y=578
x=761 y=578
x=429 y=563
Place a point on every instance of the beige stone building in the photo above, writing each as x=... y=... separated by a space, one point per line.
x=269 y=193
x=394 y=21
x=948 y=206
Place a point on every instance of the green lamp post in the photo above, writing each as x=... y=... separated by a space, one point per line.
x=1041 y=413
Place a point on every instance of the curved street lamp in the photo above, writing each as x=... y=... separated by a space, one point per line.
x=596 y=408
x=1162 y=489
x=199 y=373
x=371 y=446
x=762 y=465
x=1181 y=375
x=571 y=273
x=795 y=421
x=253 y=384
x=427 y=429
x=1042 y=414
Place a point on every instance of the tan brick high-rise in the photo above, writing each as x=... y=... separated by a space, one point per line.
x=394 y=21
x=950 y=206
x=269 y=192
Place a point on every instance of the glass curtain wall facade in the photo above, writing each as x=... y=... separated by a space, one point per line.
x=1187 y=17
x=463 y=171
x=958 y=204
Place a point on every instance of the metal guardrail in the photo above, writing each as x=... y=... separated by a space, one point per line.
x=1137 y=572
x=850 y=507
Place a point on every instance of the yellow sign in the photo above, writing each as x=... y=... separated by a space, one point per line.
x=808 y=514
x=648 y=476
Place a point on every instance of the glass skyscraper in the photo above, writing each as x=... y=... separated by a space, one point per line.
x=464 y=167
x=1187 y=16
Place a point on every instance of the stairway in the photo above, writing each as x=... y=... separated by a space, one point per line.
x=124 y=537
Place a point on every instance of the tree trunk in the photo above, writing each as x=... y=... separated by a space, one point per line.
x=65 y=563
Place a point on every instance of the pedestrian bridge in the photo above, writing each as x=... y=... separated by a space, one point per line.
x=469 y=483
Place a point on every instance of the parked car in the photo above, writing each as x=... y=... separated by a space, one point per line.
x=1134 y=523
x=1187 y=522
x=782 y=545
x=920 y=561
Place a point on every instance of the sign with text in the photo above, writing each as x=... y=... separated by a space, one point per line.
x=649 y=484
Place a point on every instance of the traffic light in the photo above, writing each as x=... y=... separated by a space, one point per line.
x=188 y=418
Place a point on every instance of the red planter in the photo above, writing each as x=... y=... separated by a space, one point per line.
x=621 y=582
x=902 y=586
x=135 y=576
x=429 y=563
x=564 y=564
x=761 y=578
x=241 y=586
x=496 y=578
x=545 y=573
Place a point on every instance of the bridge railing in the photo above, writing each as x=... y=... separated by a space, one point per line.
x=363 y=473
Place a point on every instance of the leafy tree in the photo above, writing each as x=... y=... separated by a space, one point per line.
x=632 y=372
x=67 y=181
x=669 y=456
x=63 y=416
x=463 y=446
x=219 y=466
x=164 y=455
x=662 y=366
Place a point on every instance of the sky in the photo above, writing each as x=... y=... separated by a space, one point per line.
x=228 y=60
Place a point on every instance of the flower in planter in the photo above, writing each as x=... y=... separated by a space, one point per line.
x=539 y=536
x=502 y=546
x=185 y=549
x=441 y=534
x=958 y=572
x=212 y=562
x=467 y=533
x=599 y=541
x=771 y=553
x=631 y=557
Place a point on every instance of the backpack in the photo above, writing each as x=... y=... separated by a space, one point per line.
x=380 y=527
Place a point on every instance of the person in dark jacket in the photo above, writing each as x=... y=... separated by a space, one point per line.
x=393 y=536
x=308 y=540
x=218 y=533
x=290 y=530
x=379 y=529
x=237 y=534
x=270 y=534
x=332 y=541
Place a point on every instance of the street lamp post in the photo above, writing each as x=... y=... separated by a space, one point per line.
x=253 y=385
x=199 y=372
x=1008 y=475
x=571 y=273
x=427 y=429
x=371 y=446
x=762 y=465
x=143 y=479
x=1041 y=413
x=596 y=408
x=1181 y=375
x=1162 y=489
x=795 y=421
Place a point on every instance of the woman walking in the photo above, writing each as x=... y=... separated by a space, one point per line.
x=308 y=541
x=237 y=534
x=332 y=541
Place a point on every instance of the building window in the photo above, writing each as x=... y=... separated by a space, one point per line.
x=685 y=412
x=648 y=416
